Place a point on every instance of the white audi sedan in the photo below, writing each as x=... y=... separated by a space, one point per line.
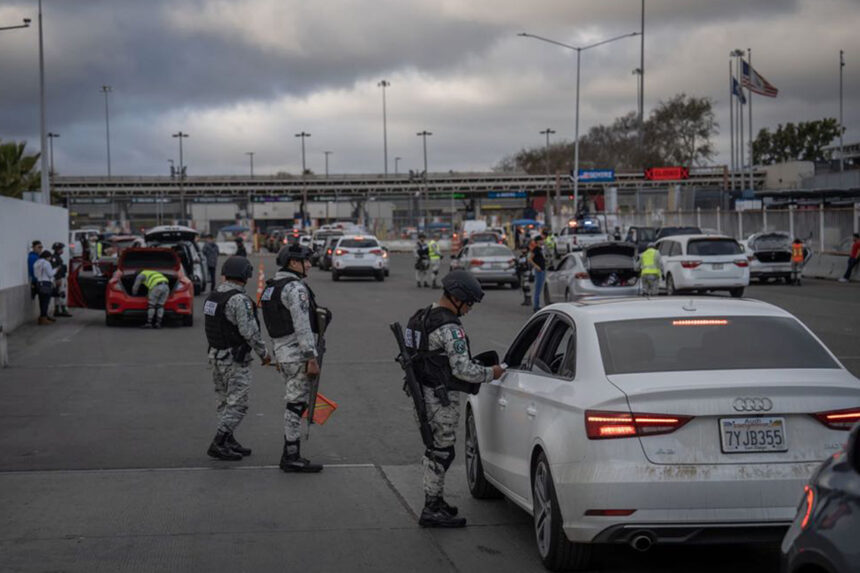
x=676 y=420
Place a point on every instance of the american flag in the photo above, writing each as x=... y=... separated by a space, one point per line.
x=755 y=82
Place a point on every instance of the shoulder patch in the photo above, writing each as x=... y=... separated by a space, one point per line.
x=458 y=333
x=460 y=346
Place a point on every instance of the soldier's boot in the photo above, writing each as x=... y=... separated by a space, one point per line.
x=426 y=284
x=220 y=450
x=526 y=300
x=157 y=323
x=434 y=514
x=451 y=509
x=236 y=446
x=146 y=324
x=418 y=284
x=292 y=462
x=65 y=312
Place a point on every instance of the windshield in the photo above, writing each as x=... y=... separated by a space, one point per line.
x=706 y=247
x=484 y=237
x=491 y=251
x=708 y=343
x=358 y=243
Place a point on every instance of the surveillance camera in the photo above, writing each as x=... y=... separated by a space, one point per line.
x=26 y=20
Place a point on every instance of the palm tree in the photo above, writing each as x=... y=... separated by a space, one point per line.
x=17 y=171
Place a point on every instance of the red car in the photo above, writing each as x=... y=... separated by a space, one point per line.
x=107 y=286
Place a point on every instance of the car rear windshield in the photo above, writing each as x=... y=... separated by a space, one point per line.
x=705 y=247
x=485 y=237
x=708 y=343
x=772 y=243
x=148 y=260
x=491 y=251
x=671 y=231
x=358 y=243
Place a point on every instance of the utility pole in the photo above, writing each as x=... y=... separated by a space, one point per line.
x=423 y=135
x=250 y=154
x=181 y=136
x=303 y=210
x=327 y=153
x=641 y=87
x=384 y=84
x=841 y=125
x=46 y=188
x=51 y=137
x=547 y=132
x=396 y=164
x=106 y=90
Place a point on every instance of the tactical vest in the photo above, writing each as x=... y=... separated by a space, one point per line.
x=649 y=262
x=278 y=319
x=431 y=366
x=423 y=251
x=220 y=332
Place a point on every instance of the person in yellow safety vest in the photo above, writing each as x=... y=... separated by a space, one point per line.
x=435 y=260
x=797 y=258
x=649 y=270
x=549 y=243
x=157 y=289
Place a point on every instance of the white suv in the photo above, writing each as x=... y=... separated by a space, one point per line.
x=358 y=255
x=702 y=263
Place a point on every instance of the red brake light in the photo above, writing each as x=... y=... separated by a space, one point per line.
x=182 y=285
x=603 y=425
x=376 y=251
x=115 y=285
x=581 y=276
x=610 y=512
x=340 y=252
x=476 y=263
x=742 y=263
x=328 y=251
x=809 y=500
x=839 y=419
x=690 y=264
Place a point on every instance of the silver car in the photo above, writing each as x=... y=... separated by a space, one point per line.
x=489 y=263
x=604 y=269
x=769 y=255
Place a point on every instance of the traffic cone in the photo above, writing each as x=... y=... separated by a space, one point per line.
x=455 y=244
x=261 y=283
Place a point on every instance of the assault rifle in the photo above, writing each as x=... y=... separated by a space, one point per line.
x=411 y=385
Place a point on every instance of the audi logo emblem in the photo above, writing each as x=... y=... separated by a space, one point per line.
x=752 y=404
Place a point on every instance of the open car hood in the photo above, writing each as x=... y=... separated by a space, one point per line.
x=171 y=233
x=151 y=258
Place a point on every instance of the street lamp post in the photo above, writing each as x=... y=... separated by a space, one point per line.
x=423 y=135
x=46 y=191
x=303 y=135
x=26 y=24
x=106 y=90
x=327 y=153
x=396 y=164
x=250 y=155
x=181 y=136
x=579 y=50
x=841 y=128
x=384 y=84
x=547 y=132
x=51 y=137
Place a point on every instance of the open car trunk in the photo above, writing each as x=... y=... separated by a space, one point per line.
x=772 y=248
x=611 y=264
x=133 y=261
x=129 y=276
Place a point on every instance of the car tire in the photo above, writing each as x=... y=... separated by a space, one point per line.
x=737 y=292
x=670 y=286
x=479 y=487
x=556 y=551
x=112 y=320
x=335 y=276
x=188 y=320
x=546 y=299
x=379 y=276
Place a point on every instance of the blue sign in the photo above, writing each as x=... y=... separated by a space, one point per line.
x=597 y=175
x=506 y=194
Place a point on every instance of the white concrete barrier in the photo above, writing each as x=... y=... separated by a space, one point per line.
x=829 y=266
x=407 y=246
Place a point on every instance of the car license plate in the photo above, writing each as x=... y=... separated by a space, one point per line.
x=718 y=266
x=359 y=255
x=744 y=435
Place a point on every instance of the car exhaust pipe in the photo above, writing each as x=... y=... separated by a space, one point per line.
x=642 y=541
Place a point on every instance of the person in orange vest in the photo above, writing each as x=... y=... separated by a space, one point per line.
x=796 y=261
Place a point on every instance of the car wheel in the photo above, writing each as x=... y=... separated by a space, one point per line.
x=379 y=276
x=335 y=276
x=188 y=320
x=556 y=551
x=479 y=487
x=737 y=292
x=546 y=298
x=670 y=286
x=112 y=320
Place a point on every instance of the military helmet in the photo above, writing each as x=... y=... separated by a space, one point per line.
x=58 y=245
x=464 y=286
x=238 y=268
x=292 y=252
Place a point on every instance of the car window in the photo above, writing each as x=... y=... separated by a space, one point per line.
x=358 y=243
x=708 y=343
x=522 y=348
x=664 y=247
x=557 y=353
x=490 y=251
x=567 y=263
x=704 y=247
x=675 y=249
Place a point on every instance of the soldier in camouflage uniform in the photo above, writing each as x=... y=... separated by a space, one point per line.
x=232 y=331
x=444 y=367
x=422 y=262
x=290 y=312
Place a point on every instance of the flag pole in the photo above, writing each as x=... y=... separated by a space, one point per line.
x=750 y=92
x=732 y=122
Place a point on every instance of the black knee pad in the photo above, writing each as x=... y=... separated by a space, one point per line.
x=297 y=408
x=442 y=456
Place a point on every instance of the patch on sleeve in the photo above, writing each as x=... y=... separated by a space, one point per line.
x=458 y=334
x=460 y=346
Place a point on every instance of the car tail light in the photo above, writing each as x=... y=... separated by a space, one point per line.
x=376 y=251
x=690 y=264
x=328 y=251
x=115 y=285
x=581 y=276
x=340 y=252
x=182 y=285
x=603 y=425
x=806 y=505
x=610 y=512
x=476 y=263
x=839 y=419
x=742 y=263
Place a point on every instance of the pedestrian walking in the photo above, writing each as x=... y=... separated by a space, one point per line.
x=293 y=321
x=32 y=257
x=538 y=263
x=797 y=258
x=435 y=256
x=422 y=262
x=240 y=248
x=232 y=332
x=444 y=367
x=211 y=252
x=157 y=291
x=43 y=273
x=853 y=259
x=61 y=271
x=649 y=270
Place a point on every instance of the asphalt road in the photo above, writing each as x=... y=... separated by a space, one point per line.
x=103 y=433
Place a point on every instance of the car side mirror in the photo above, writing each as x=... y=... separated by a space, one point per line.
x=852 y=448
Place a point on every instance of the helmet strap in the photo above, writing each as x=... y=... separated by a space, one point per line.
x=456 y=303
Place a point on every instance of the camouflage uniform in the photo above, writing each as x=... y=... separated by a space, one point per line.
x=293 y=352
x=444 y=419
x=233 y=379
x=422 y=264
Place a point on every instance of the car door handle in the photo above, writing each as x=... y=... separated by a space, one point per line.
x=503 y=402
x=531 y=411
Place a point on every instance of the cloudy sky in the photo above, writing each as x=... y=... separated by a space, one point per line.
x=246 y=75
